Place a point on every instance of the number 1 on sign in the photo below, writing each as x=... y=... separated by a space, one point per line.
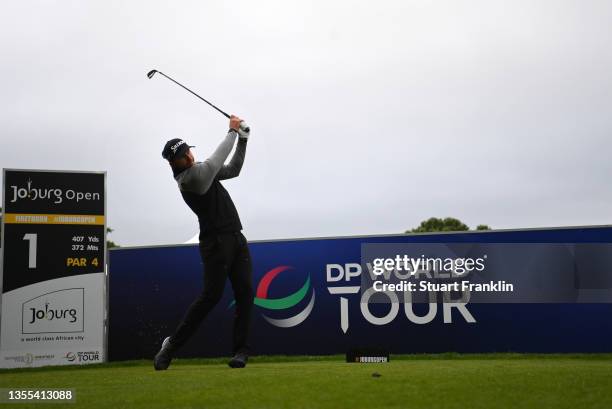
x=32 y=238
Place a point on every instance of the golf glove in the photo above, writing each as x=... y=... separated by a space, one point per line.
x=242 y=131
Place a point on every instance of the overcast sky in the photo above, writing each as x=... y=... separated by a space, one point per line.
x=366 y=117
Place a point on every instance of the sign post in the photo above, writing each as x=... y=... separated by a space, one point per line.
x=53 y=272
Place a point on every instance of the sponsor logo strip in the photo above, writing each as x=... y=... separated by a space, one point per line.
x=23 y=218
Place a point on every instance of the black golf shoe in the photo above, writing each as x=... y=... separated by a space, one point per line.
x=163 y=357
x=239 y=360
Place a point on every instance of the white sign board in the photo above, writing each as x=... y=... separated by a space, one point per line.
x=53 y=272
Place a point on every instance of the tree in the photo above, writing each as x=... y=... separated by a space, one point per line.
x=109 y=243
x=435 y=224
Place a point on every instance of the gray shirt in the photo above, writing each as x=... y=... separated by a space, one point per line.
x=199 y=177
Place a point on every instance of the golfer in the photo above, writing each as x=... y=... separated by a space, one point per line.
x=223 y=247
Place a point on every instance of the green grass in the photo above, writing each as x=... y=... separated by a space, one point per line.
x=409 y=381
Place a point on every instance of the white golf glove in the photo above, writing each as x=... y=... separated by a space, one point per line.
x=244 y=131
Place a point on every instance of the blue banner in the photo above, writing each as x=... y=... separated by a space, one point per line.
x=487 y=272
x=308 y=302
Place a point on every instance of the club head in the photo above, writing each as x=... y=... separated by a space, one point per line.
x=151 y=73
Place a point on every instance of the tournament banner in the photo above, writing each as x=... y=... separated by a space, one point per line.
x=532 y=290
x=53 y=268
x=487 y=272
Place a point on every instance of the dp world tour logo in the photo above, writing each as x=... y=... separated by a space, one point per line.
x=262 y=300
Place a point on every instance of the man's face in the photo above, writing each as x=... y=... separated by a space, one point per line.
x=184 y=162
x=190 y=158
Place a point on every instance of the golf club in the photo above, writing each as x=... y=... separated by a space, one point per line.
x=151 y=73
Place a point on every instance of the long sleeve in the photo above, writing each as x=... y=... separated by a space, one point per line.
x=200 y=176
x=232 y=169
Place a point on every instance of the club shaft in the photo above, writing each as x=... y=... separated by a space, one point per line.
x=178 y=83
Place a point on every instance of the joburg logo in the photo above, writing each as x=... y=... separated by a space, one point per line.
x=53 y=194
x=262 y=300
x=49 y=313
x=55 y=311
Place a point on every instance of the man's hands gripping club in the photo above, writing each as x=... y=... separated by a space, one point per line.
x=239 y=126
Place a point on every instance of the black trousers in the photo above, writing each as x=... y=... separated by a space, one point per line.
x=224 y=256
